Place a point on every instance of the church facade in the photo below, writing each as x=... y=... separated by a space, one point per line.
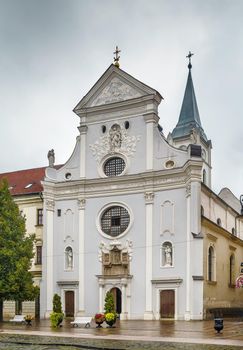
x=131 y=211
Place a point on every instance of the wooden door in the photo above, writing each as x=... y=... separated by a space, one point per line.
x=167 y=304
x=69 y=303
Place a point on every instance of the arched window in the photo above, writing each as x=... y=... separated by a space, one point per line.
x=68 y=258
x=232 y=270
x=211 y=264
x=219 y=222
x=167 y=254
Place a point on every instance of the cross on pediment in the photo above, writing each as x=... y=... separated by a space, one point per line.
x=117 y=57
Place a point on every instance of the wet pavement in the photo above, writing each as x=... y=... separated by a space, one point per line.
x=164 y=335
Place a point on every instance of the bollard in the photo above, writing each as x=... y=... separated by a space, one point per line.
x=218 y=324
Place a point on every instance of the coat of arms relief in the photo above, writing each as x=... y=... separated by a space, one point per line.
x=117 y=140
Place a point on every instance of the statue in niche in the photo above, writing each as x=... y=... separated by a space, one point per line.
x=168 y=255
x=69 y=258
x=51 y=158
x=115 y=137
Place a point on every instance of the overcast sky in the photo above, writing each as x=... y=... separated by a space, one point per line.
x=53 y=51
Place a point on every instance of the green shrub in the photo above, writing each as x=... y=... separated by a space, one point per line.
x=56 y=319
x=57 y=315
x=109 y=303
x=57 y=305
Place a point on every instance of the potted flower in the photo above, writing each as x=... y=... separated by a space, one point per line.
x=110 y=318
x=28 y=319
x=99 y=319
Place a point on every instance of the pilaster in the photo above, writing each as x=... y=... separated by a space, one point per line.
x=50 y=205
x=149 y=203
x=83 y=135
x=81 y=209
x=150 y=119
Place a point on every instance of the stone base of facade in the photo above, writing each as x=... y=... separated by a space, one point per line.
x=148 y=315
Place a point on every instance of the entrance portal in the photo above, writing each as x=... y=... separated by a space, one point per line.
x=117 y=299
x=69 y=303
x=167 y=304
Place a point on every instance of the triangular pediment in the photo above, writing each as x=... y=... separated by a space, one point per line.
x=115 y=85
x=116 y=90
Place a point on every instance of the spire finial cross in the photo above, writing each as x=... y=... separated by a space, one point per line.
x=117 y=57
x=189 y=57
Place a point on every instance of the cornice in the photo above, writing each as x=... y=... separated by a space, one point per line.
x=126 y=184
x=140 y=183
x=108 y=108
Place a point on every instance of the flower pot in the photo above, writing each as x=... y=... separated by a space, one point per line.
x=218 y=324
x=99 y=323
x=110 y=323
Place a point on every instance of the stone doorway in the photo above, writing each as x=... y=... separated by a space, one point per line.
x=167 y=303
x=117 y=295
x=69 y=303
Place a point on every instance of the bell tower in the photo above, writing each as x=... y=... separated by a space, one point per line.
x=189 y=129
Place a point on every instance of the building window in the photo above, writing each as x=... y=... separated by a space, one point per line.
x=39 y=255
x=166 y=254
x=233 y=231
x=59 y=212
x=114 y=166
x=211 y=264
x=39 y=216
x=232 y=271
x=68 y=258
x=114 y=221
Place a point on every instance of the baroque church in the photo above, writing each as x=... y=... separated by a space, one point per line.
x=133 y=212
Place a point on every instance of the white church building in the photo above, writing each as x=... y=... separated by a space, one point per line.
x=131 y=211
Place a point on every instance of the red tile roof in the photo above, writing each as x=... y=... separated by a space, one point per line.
x=25 y=181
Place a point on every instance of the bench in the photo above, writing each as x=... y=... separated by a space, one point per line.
x=82 y=320
x=18 y=319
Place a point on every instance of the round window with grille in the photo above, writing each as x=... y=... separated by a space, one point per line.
x=114 y=221
x=114 y=166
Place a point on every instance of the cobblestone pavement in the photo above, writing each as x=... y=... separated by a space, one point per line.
x=166 y=335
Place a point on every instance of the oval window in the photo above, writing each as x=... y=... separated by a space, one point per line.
x=114 y=166
x=114 y=221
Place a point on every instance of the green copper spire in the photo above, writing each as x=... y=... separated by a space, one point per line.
x=189 y=116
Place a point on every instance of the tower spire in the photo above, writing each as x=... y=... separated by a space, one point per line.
x=189 y=118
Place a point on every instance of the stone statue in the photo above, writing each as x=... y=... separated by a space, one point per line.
x=69 y=255
x=115 y=137
x=51 y=158
x=168 y=258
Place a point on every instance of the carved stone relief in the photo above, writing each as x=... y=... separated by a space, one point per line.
x=81 y=203
x=50 y=204
x=115 y=91
x=117 y=140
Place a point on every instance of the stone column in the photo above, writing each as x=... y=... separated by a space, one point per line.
x=83 y=135
x=49 y=204
x=101 y=295
x=150 y=119
x=149 y=203
x=124 y=299
x=81 y=208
